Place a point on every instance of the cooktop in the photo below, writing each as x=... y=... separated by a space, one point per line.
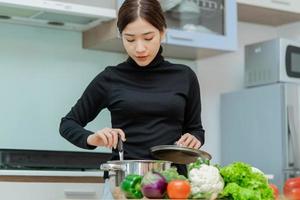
x=44 y=159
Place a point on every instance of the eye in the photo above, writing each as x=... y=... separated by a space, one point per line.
x=149 y=39
x=129 y=40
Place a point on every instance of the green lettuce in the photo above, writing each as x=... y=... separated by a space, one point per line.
x=241 y=183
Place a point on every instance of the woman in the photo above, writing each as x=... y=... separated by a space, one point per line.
x=151 y=101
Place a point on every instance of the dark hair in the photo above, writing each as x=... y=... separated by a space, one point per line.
x=149 y=10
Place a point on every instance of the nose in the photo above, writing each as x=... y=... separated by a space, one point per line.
x=140 y=47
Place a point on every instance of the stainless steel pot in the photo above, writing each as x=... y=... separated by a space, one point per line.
x=118 y=170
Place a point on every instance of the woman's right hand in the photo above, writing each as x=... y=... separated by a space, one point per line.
x=107 y=137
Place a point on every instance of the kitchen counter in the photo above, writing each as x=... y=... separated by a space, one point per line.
x=89 y=176
x=50 y=184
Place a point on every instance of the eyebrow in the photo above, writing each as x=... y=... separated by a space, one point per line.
x=128 y=34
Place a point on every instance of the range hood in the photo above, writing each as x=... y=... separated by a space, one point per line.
x=79 y=15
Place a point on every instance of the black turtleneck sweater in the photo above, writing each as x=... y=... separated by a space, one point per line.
x=153 y=105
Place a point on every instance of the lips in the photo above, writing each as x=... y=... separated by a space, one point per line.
x=141 y=57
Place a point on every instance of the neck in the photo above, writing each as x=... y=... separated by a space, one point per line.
x=158 y=59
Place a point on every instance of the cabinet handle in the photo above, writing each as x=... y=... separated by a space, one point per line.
x=86 y=194
x=179 y=37
x=283 y=2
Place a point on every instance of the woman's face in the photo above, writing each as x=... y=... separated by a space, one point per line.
x=142 y=41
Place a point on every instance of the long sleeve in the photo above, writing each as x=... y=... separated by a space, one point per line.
x=92 y=101
x=153 y=105
x=192 y=119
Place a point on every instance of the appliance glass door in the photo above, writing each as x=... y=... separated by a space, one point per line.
x=293 y=61
x=205 y=16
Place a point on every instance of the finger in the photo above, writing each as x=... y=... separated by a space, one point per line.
x=103 y=138
x=183 y=138
x=188 y=140
x=115 y=138
x=111 y=134
x=198 y=145
x=193 y=143
x=109 y=138
x=103 y=134
x=121 y=133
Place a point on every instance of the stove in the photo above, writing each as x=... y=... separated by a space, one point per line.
x=41 y=159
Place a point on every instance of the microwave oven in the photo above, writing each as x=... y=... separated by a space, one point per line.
x=272 y=61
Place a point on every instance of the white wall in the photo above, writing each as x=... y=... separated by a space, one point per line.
x=291 y=31
x=222 y=74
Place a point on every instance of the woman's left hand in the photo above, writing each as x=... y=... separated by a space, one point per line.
x=190 y=141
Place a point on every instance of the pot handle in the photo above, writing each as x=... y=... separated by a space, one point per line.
x=112 y=167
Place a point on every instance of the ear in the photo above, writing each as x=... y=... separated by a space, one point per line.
x=162 y=35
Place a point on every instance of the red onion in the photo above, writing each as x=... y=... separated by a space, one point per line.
x=154 y=185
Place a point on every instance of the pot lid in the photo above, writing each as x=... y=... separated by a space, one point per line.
x=177 y=154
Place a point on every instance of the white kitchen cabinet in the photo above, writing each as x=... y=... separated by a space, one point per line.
x=202 y=24
x=75 y=15
x=50 y=185
x=269 y=12
x=111 y=4
x=50 y=191
x=196 y=29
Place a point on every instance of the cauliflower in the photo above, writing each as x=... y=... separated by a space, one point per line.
x=206 y=180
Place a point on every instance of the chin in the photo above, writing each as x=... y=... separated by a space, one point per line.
x=143 y=64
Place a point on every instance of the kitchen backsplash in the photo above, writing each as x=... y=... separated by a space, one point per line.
x=42 y=74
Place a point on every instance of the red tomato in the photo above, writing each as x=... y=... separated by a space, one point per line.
x=293 y=194
x=178 y=189
x=292 y=182
x=275 y=190
x=291 y=188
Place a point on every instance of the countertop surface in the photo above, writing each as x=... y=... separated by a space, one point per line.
x=16 y=172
